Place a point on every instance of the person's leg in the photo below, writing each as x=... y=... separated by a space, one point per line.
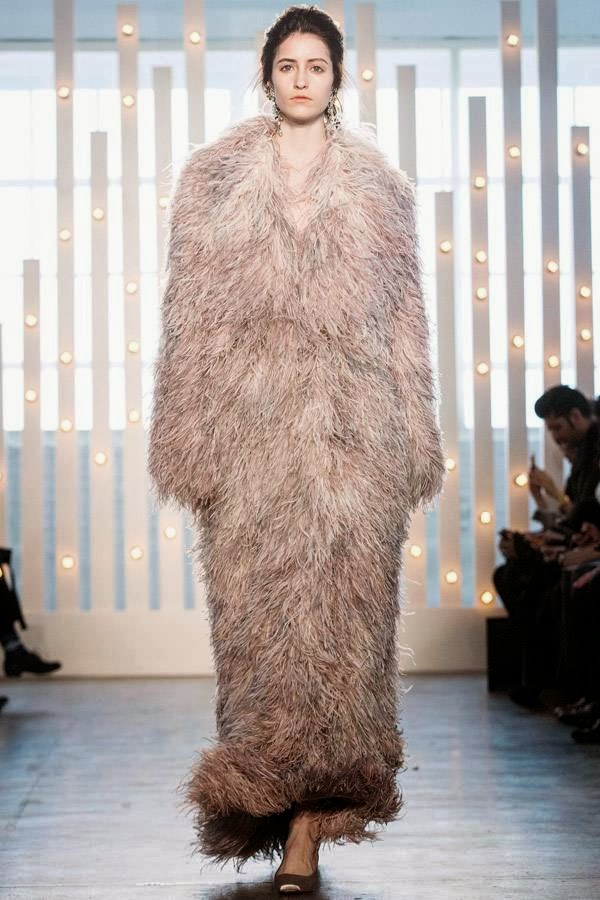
x=301 y=854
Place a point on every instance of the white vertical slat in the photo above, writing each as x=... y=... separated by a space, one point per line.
x=135 y=487
x=171 y=524
x=547 y=77
x=261 y=97
x=31 y=444
x=3 y=475
x=483 y=473
x=101 y=463
x=67 y=525
x=449 y=504
x=414 y=568
x=406 y=77
x=510 y=49
x=194 y=43
x=366 y=67
x=582 y=258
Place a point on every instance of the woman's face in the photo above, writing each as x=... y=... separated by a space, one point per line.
x=302 y=66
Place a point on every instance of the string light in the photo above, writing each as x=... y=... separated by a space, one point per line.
x=64 y=91
x=367 y=74
x=553 y=361
x=521 y=479
x=128 y=100
x=31 y=395
x=195 y=37
x=133 y=415
x=486 y=597
x=585 y=334
x=66 y=425
x=483 y=368
x=98 y=213
x=585 y=291
x=485 y=517
x=136 y=552
x=451 y=576
x=479 y=181
x=481 y=293
x=64 y=234
x=170 y=532
x=131 y=287
x=518 y=341
x=446 y=246
x=163 y=202
x=67 y=561
x=100 y=458
x=481 y=256
x=31 y=320
x=512 y=40
x=66 y=358
x=127 y=29
x=552 y=266
x=582 y=149
x=514 y=152
x=133 y=346
x=416 y=551
x=450 y=464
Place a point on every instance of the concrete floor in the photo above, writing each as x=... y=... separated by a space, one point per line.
x=500 y=802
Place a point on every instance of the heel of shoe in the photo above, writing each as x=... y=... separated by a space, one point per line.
x=288 y=883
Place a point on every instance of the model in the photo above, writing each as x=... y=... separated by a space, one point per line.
x=296 y=415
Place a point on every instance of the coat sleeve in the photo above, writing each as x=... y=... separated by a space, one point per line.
x=176 y=449
x=415 y=377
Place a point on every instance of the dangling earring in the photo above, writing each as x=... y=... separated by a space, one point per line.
x=332 y=114
x=277 y=116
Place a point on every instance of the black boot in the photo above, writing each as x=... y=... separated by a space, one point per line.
x=3 y=702
x=23 y=660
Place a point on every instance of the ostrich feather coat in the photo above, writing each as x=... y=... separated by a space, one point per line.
x=295 y=415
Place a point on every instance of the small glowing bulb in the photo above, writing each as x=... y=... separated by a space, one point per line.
x=98 y=213
x=483 y=368
x=133 y=415
x=552 y=266
x=585 y=334
x=446 y=246
x=416 y=551
x=553 y=361
x=131 y=287
x=64 y=91
x=66 y=358
x=136 y=552
x=512 y=40
x=481 y=256
x=521 y=479
x=485 y=517
x=66 y=425
x=481 y=293
x=582 y=149
x=514 y=152
x=31 y=395
x=585 y=291
x=479 y=181
x=128 y=100
x=367 y=74
x=451 y=576
x=486 y=597
x=67 y=561
x=133 y=346
x=518 y=341
x=64 y=234
x=450 y=464
x=100 y=457
x=127 y=29
x=31 y=320
x=170 y=532
x=163 y=202
x=195 y=37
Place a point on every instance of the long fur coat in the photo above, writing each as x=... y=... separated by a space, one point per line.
x=296 y=415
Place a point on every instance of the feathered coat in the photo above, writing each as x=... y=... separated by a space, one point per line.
x=295 y=413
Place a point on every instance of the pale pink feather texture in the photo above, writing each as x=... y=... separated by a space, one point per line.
x=296 y=414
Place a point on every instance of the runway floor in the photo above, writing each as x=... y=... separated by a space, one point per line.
x=500 y=802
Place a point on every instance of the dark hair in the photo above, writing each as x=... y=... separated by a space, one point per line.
x=307 y=20
x=560 y=400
